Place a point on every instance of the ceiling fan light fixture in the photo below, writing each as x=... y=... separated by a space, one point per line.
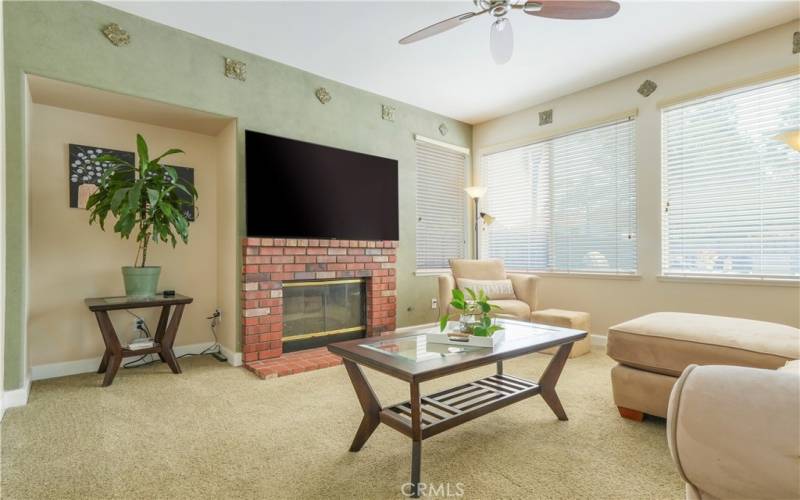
x=501 y=40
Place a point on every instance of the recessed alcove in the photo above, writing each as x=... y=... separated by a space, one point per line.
x=69 y=260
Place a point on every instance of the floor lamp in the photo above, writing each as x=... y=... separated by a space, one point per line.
x=476 y=193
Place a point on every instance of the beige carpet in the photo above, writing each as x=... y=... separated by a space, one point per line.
x=219 y=432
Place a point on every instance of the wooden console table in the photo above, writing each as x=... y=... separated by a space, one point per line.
x=411 y=358
x=164 y=337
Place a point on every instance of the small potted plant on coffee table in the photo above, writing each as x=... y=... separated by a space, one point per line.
x=145 y=200
x=474 y=317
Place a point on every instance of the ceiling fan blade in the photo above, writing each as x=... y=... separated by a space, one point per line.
x=440 y=27
x=572 y=9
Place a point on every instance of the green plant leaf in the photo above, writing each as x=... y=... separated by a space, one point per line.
x=458 y=294
x=117 y=198
x=167 y=153
x=459 y=304
x=443 y=322
x=485 y=307
x=141 y=147
x=471 y=293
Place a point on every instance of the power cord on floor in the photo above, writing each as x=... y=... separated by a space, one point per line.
x=214 y=349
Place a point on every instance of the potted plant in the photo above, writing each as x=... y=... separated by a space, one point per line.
x=474 y=318
x=146 y=200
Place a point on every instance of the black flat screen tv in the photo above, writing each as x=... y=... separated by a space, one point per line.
x=297 y=189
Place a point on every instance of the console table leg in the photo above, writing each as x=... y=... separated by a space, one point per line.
x=104 y=361
x=167 y=354
x=499 y=367
x=549 y=378
x=111 y=371
x=369 y=405
x=113 y=354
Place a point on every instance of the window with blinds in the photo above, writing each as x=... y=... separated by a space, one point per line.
x=731 y=189
x=567 y=204
x=441 y=204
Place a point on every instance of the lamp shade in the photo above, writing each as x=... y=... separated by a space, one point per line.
x=475 y=191
x=790 y=137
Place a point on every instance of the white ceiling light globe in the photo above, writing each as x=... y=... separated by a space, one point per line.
x=501 y=40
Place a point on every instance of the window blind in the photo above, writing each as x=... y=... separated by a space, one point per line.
x=567 y=204
x=731 y=191
x=441 y=205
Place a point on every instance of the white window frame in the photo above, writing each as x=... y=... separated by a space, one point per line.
x=466 y=172
x=706 y=278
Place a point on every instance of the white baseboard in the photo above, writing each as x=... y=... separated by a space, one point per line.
x=17 y=397
x=89 y=365
x=599 y=340
x=234 y=358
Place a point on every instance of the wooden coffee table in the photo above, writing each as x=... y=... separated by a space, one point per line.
x=411 y=358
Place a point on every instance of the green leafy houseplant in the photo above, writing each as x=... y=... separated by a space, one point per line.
x=145 y=200
x=477 y=306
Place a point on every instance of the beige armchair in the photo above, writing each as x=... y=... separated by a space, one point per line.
x=524 y=285
x=734 y=432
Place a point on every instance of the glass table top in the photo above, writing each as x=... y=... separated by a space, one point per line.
x=417 y=348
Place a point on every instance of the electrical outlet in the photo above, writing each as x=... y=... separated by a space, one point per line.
x=434 y=303
x=138 y=325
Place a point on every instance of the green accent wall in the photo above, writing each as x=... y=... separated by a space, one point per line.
x=62 y=40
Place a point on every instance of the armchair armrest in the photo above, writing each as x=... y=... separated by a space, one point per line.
x=733 y=432
x=446 y=285
x=525 y=288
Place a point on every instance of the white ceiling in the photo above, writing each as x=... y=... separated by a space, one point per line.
x=453 y=73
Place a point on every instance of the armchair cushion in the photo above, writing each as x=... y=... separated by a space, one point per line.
x=494 y=289
x=514 y=309
x=485 y=269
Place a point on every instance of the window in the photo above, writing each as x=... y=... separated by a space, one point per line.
x=567 y=204
x=731 y=190
x=441 y=203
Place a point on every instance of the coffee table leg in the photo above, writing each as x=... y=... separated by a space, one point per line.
x=369 y=405
x=500 y=367
x=549 y=378
x=416 y=438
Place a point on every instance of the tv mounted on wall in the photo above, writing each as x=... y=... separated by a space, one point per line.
x=297 y=189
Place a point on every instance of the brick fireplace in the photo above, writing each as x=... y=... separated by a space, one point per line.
x=269 y=262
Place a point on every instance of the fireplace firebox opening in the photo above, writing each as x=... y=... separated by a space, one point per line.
x=316 y=313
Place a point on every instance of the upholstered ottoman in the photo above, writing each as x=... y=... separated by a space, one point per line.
x=653 y=350
x=566 y=319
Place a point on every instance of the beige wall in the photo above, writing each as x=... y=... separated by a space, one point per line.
x=70 y=260
x=614 y=300
x=228 y=245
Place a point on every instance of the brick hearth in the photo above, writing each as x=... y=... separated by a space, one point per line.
x=268 y=262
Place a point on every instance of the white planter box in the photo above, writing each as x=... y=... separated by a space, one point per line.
x=442 y=338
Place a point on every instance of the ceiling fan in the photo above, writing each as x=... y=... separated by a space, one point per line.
x=501 y=37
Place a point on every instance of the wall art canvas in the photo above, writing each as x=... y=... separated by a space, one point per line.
x=85 y=171
x=186 y=175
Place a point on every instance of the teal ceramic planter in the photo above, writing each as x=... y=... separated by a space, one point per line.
x=141 y=281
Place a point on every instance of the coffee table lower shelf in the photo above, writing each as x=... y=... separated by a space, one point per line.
x=451 y=407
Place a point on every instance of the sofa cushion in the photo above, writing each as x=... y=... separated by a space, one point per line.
x=515 y=309
x=668 y=342
x=485 y=269
x=494 y=289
